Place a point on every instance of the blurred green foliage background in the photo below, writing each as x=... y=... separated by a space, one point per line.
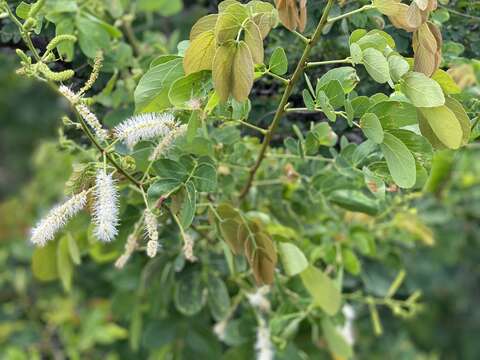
x=93 y=320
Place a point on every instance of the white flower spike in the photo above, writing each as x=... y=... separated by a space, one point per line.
x=144 y=127
x=264 y=345
x=152 y=233
x=57 y=218
x=105 y=213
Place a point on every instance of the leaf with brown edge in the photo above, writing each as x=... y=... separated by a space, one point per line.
x=414 y=16
x=288 y=13
x=388 y=7
x=232 y=228
x=200 y=53
x=222 y=70
x=262 y=257
x=205 y=23
x=422 y=4
x=254 y=41
x=426 y=48
x=242 y=72
x=302 y=18
x=399 y=20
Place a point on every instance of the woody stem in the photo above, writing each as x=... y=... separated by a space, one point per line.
x=300 y=69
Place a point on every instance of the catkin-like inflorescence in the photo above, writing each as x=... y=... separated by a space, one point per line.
x=130 y=247
x=167 y=141
x=144 y=127
x=57 y=218
x=89 y=117
x=152 y=233
x=188 y=248
x=105 y=213
x=263 y=344
x=92 y=120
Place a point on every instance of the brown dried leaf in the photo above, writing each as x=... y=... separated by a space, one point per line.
x=414 y=16
x=302 y=19
x=400 y=19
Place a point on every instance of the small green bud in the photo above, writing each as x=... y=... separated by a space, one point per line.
x=23 y=56
x=128 y=163
x=29 y=24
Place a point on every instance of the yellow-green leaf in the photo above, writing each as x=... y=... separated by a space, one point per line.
x=200 y=53
x=422 y=91
x=461 y=116
x=445 y=125
x=205 y=23
x=222 y=70
x=44 y=262
x=324 y=292
x=444 y=79
x=230 y=22
x=254 y=41
x=293 y=259
x=242 y=72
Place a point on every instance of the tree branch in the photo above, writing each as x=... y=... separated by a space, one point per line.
x=286 y=95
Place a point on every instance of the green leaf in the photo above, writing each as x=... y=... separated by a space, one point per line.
x=356 y=53
x=445 y=125
x=400 y=161
x=278 y=63
x=308 y=100
x=336 y=342
x=218 y=298
x=189 y=295
x=372 y=128
x=293 y=259
x=91 y=36
x=73 y=249
x=188 y=205
x=171 y=175
x=376 y=65
x=44 y=262
x=323 y=290
x=422 y=91
x=346 y=75
x=394 y=114
x=335 y=93
x=398 y=67
x=354 y=200
x=351 y=262
x=163 y=7
x=190 y=87
x=152 y=90
x=64 y=263
x=326 y=107
x=205 y=175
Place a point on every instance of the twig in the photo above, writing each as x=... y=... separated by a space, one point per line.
x=286 y=95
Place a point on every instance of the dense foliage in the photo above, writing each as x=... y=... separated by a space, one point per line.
x=251 y=190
